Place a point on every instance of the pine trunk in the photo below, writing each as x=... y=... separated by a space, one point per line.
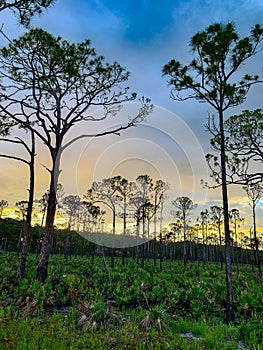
x=42 y=269
x=230 y=315
x=26 y=241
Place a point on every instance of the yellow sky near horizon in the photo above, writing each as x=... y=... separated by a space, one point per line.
x=170 y=151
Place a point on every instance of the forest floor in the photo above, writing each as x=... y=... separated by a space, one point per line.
x=86 y=304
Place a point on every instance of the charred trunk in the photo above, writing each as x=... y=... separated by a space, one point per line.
x=42 y=269
x=230 y=315
x=26 y=240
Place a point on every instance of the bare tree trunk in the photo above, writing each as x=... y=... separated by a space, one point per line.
x=237 y=251
x=42 y=269
x=251 y=251
x=185 y=244
x=26 y=240
x=148 y=240
x=143 y=237
x=204 y=247
x=124 y=230
x=161 y=236
x=137 y=239
x=155 y=240
x=256 y=240
x=66 y=249
x=230 y=315
x=113 y=237
x=220 y=243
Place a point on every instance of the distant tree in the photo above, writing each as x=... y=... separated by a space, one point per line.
x=204 y=219
x=143 y=190
x=255 y=193
x=144 y=187
x=24 y=10
x=175 y=230
x=184 y=207
x=146 y=199
x=71 y=204
x=135 y=205
x=23 y=208
x=105 y=192
x=52 y=85
x=174 y=234
x=124 y=191
x=219 y=53
x=42 y=203
x=10 y=230
x=159 y=190
x=3 y=205
x=236 y=220
x=85 y=217
x=149 y=214
x=97 y=216
x=216 y=215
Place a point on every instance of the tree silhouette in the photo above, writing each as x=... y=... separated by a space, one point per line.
x=24 y=10
x=204 y=221
x=184 y=207
x=124 y=189
x=254 y=193
x=30 y=149
x=71 y=204
x=216 y=215
x=244 y=146
x=60 y=83
x=218 y=54
x=159 y=189
x=236 y=220
x=3 y=204
x=143 y=189
x=105 y=192
x=124 y=192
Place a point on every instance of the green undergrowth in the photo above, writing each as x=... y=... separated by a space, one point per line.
x=85 y=305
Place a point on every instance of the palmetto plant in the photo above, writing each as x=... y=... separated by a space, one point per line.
x=93 y=314
x=156 y=317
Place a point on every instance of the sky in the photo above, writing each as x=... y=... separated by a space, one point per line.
x=171 y=144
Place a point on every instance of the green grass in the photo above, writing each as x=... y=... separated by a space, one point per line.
x=85 y=306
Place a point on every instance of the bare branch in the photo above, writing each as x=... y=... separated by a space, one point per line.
x=15 y=158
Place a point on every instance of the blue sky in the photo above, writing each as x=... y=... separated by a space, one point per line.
x=142 y=36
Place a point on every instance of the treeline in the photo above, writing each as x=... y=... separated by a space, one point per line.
x=119 y=213
x=161 y=252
